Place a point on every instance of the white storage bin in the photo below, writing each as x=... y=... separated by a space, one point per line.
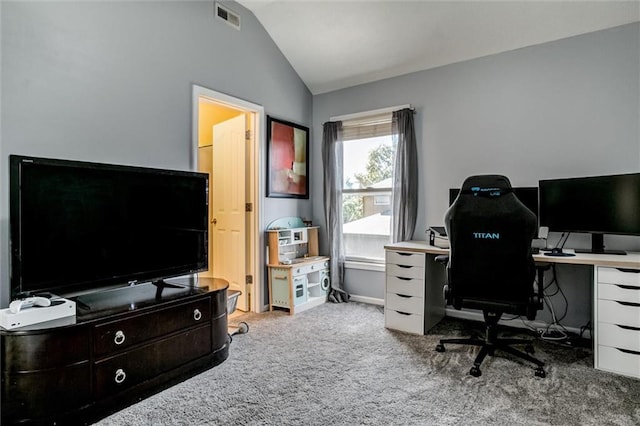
x=406 y=304
x=405 y=286
x=405 y=271
x=618 y=337
x=618 y=361
x=621 y=294
x=613 y=312
x=405 y=258
x=410 y=323
x=616 y=276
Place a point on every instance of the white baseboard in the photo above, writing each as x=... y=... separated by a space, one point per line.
x=365 y=299
x=516 y=323
x=477 y=316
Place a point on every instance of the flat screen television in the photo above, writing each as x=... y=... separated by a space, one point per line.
x=528 y=195
x=597 y=205
x=78 y=227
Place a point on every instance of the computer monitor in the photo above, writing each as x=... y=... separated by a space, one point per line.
x=528 y=195
x=597 y=205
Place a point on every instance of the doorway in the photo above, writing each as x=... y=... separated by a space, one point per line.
x=226 y=144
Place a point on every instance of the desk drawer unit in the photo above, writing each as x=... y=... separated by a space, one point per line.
x=404 y=293
x=618 y=321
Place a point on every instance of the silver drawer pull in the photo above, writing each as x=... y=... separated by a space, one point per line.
x=120 y=376
x=119 y=337
x=197 y=314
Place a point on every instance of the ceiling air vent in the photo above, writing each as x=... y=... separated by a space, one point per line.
x=228 y=16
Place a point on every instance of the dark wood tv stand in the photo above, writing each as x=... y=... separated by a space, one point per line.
x=124 y=347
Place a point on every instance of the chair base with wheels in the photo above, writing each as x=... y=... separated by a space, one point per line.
x=491 y=343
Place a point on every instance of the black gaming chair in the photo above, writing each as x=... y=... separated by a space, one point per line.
x=489 y=266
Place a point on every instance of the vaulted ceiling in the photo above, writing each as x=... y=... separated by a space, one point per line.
x=333 y=44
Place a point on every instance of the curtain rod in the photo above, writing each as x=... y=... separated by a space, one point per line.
x=356 y=115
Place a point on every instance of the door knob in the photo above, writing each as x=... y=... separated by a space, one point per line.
x=214 y=220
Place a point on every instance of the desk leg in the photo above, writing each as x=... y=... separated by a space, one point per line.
x=435 y=278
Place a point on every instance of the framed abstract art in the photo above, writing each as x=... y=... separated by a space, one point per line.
x=287 y=159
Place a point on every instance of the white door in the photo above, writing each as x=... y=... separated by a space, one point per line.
x=228 y=210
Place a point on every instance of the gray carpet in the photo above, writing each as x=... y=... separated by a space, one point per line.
x=337 y=365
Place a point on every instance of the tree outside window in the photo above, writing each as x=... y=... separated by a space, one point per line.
x=366 y=202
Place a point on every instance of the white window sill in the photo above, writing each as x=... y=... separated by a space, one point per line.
x=364 y=265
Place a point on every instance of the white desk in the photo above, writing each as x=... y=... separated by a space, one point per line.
x=414 y=301
x=631 y=260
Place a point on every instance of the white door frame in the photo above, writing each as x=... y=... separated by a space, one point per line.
x=256 y=174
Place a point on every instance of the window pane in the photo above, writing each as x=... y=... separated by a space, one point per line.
x=368 y=163
x=367 y=226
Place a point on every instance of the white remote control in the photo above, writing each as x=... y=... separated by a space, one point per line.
x=17 y=305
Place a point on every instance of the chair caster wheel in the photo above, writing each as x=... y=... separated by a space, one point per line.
x=475 y=371
x=440 y=347
x=243 y=328
x=540 y=373
x=529 y=349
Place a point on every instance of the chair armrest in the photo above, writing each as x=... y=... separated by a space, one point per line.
x=442 y=258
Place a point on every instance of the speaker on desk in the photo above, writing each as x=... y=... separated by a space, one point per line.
x=541 y=241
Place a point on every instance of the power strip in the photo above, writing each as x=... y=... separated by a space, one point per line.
x=60 y=308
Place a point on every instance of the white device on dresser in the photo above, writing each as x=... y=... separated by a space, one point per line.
x=17 y=305
x=35 y=310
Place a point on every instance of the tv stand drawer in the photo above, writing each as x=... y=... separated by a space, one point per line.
x=118 y=335
x=115 y=374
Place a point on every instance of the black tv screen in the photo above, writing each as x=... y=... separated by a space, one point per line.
x=78 y=226
x=595 y=204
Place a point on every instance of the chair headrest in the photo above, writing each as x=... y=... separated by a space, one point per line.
x=486 y=186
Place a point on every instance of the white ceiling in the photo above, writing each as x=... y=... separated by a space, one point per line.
x=333 y=44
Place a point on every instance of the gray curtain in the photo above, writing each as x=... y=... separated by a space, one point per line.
x=405 y=176
x=332 y=161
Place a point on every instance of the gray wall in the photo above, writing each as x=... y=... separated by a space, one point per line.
x=111 y=82
x=565 y=108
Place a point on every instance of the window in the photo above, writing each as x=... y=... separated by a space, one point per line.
x=368 y=153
